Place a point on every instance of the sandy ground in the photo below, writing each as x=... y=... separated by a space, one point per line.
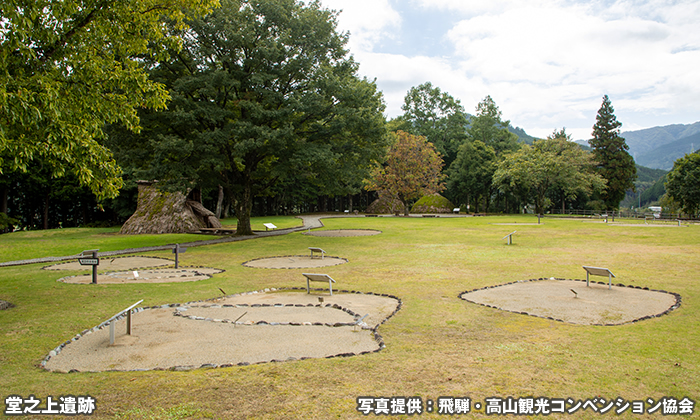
x=278 y=326
x=161 y=275
x=594 y=305
x=163 y=340
x=115 y=264
x=295 y=261
x=136 y=269
x=343 y=232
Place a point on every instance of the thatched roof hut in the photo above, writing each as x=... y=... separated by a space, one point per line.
x=167 y=212
x=385 y=204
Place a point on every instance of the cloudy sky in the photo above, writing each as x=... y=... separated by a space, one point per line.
x=546 y=63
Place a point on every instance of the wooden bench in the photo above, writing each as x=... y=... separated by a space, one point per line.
x=318 y=277
x=269 y=226
x=317 y=250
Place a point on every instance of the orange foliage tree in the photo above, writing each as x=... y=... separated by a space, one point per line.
x=413 y=169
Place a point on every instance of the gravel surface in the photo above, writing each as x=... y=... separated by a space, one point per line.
x=594 y=305
x=167 y=338
x=295 y=261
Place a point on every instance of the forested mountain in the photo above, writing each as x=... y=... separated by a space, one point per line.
x=523 y=137
x=649 y=186
x=663 y=156
x=643 y=141
x=659 y=147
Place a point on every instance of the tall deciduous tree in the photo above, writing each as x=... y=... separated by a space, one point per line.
x=471 y=174
x=489 y=127
x=438 y=117
x=489 y=138
x=413 y=169
x=551 y=164
x=683 y=183
x=264 y=94
x=69 y=67
x=615 y=164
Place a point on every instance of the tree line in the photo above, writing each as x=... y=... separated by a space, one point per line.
x=489 y=170
x=256 y=107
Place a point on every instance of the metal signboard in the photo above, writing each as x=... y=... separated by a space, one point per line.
x=89 y=261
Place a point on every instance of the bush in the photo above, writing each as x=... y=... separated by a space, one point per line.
x=6 y=221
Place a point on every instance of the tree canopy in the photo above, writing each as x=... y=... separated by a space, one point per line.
x=471 y=174
x=615 y=164
x=555 y=163
x=489 y=127
x=264 y=95
x=413 y=169
x=437 y=116
x=67 y=68
x=683 y=183
x=488 y=141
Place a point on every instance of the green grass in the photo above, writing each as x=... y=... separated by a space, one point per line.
x=63 y=242
x=437 y=345
x=257 y=223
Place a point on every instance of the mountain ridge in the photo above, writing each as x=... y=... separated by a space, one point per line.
x=659 y=147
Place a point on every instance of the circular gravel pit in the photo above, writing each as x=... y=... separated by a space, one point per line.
x=573 y=302
x=163 y=275
x=295 y=261
x=115 y=264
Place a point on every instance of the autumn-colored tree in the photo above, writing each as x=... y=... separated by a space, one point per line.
x=412 y=169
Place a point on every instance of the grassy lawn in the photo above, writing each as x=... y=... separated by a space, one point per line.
x=437 y=344
x=257 y=223
x=71 y=241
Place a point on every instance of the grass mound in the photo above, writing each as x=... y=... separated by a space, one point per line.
x=434 y=203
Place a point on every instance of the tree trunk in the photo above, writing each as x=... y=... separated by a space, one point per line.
x=220 y=202
x=3 y=204
x=350 y=202
x=405 y=205
x=243 y=207
x=46 y=211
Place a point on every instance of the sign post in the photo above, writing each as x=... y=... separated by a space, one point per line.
x=598 y=271
x=510 y=237
x=94 y=262
x=177 y=250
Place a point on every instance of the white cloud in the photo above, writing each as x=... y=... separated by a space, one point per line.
x=368 y=21
x=546 y=63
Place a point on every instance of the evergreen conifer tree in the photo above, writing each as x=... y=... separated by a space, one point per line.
x=615 y=164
